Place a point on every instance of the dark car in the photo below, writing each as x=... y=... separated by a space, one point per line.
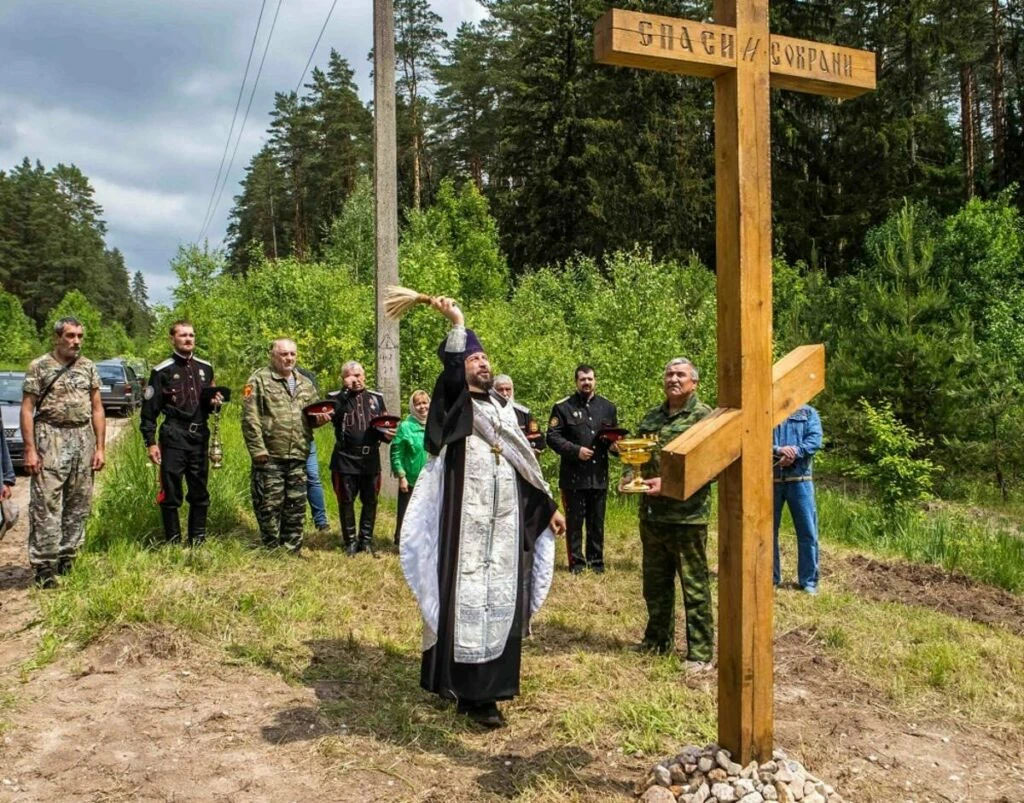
x=120 y=386
x=10 y=407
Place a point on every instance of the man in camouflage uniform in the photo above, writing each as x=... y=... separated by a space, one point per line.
x=674 y=533
x=61 y=399
x=277 y=434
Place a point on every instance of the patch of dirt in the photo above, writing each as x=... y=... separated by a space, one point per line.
x=935 y=588
x=149 y=715
x=838 y=728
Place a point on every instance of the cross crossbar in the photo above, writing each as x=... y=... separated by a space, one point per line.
x=687 y=47
x=700 y=454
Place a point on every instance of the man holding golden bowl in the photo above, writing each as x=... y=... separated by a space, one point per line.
x=673 y=532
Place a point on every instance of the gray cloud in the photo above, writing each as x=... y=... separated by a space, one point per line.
x=140 y=95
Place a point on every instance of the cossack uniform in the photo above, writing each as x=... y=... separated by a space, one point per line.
x=355 y=463
x=175 y=390
x=528 y=424
x=576 y=422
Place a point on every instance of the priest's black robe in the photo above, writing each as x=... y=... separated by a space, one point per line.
x=449 y=423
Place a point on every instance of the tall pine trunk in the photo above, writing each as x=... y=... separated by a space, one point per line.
x=967 y=127
x=417 y=144
x=998 y=98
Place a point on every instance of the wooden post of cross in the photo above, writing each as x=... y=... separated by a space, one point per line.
x=734 y=443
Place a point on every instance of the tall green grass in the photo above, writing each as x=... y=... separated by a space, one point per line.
x=982 y=548
x=126 y=509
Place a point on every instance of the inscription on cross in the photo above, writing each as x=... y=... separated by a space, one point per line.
x=734 y=442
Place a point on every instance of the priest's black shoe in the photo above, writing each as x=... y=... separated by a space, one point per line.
x=485 y=714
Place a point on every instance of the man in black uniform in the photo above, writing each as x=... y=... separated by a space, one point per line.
x=583 y=475
x=355 y=462
x=176 y=389
x=504 y=389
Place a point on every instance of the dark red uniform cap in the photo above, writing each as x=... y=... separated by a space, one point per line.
x=613 y=434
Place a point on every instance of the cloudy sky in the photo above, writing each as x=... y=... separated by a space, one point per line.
x=140 y=94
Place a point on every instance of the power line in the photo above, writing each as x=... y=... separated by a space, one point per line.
x=252 y=94
x=238 y=103
x=309 y=61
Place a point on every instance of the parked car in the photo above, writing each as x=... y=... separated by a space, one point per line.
x=120 y=386
x=10 y=407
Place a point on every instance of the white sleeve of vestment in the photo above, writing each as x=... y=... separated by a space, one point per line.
x=418 y=544
x=543 y=569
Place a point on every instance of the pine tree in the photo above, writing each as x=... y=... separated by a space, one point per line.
x=419 y=39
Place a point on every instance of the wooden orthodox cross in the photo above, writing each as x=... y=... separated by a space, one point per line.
x=735 y=442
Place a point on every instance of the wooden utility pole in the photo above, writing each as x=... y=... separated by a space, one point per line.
x=385 y=185
x=734 y=443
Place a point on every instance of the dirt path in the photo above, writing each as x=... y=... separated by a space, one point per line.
x=18 y=611
x=150 y=715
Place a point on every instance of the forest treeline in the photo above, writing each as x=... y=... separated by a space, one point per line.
x=52 y=241
x=582 y=159
x=570 y=208
x=924 y=335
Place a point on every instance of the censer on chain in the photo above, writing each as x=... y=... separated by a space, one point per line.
x=216 y=447
x=216 y=450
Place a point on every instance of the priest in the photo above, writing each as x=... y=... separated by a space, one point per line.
x=477 y=541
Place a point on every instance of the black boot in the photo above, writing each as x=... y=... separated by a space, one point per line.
x=172 y=524
x=64 y=564
x=365 y=543
x=349 y=540
x=196 y=526
x=44 y=576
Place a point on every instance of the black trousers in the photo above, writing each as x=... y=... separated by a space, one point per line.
x=188 y=464
x=585 y=506
x=348 y=488
x=403 y=503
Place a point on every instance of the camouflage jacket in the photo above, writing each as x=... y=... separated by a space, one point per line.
x=664 y=509
x=273 y=423
x=69 y=402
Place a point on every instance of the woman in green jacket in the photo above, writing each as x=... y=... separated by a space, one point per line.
x=408 y=453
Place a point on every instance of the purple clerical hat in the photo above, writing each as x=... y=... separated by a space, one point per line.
x=473 y=345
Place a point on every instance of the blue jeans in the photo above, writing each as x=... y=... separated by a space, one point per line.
x=800 y=497
x=314 y=489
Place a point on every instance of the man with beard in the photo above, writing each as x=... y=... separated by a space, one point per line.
x=477 y=546
x=574 y=434
x=63 y=425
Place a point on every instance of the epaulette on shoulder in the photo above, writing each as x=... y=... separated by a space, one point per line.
x=204 y=362
x=562 y=401
x=521 y=407
x=164 y=364
x=333 y=394
x=377 y=393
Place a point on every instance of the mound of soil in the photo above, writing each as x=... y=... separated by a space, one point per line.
x=933 y=587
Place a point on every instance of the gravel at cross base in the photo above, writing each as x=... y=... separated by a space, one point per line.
x=709 y=775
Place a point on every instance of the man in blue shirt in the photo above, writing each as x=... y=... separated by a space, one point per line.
x=794 y=443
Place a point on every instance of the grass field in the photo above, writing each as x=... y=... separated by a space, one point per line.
x=325 y=621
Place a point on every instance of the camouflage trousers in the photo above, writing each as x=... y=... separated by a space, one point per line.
x=279 y=501
x=670 y=550
x=61 y=494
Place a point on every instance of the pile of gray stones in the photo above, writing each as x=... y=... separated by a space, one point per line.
x=709 y=775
